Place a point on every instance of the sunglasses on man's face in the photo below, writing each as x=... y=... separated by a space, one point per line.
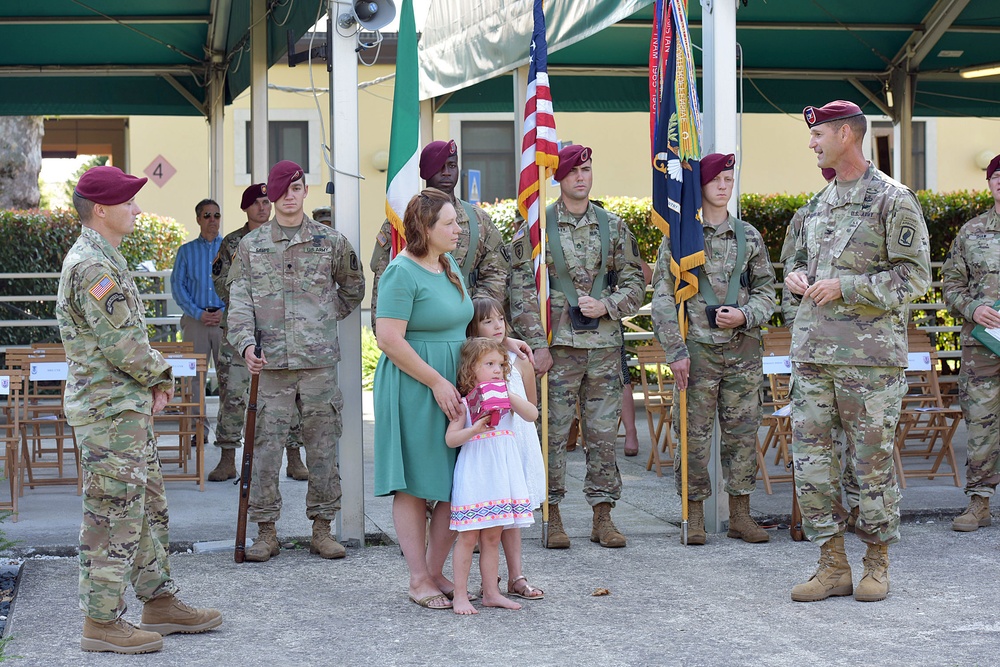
x=211 y=215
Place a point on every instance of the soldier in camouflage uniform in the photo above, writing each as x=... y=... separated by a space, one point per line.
x=294 y=279
x=485 y=273
x=863 y=254
x=116 y=382
x=720 y=367
x=584 y=360
x=971 y=277
x=234 y=380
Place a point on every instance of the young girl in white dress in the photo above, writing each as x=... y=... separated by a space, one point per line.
x=489 y=491
x=488 y=321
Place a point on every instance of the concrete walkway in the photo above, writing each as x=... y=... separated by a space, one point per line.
x=723 y=604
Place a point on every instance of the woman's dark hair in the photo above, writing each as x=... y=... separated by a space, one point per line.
x=421 y=214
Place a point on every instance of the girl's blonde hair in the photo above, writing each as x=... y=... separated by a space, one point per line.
x=483 y=307
x=472 y=351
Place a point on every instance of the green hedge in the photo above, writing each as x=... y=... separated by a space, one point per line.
x=36 y=242
x=945 y=214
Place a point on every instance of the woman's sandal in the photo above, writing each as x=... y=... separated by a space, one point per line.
x=527 y=591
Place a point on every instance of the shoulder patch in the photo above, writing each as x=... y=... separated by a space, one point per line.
x=505 y=253
x=217 y=265
x=907 y=233
x=382 y=238
x=101 y=288
x=518 y=250
x=109 y=305
x=353 y=261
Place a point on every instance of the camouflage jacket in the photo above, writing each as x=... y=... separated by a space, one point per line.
x=223 y=262
x=581 y=243
x=103 y=327
x=492 y=259
x=755 y=299
x=295 y=291
x=971 y=273
x=790 y=302
x=875 y=241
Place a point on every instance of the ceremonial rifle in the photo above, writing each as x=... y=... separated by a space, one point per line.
x=246 y=470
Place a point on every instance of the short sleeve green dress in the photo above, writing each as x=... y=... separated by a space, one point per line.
x=410 y=452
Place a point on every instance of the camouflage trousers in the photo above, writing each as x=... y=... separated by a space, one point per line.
x=123 y=537
x=979 y=394
x=592 y=377
x=866 y=402
x=234 y=382
x=726 y=378
x=281 y=395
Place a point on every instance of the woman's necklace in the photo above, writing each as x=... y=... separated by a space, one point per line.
x=433 y=268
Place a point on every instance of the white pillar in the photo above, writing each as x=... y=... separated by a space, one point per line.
x=216 y=116
x=259 y=164
x=426 y=122
x=520 y=93
x=346 y=202
x=719 y=124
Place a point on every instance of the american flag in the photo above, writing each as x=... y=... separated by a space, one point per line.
x=539 y=147
x=103 y=286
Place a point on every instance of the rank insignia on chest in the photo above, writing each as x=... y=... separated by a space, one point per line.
x=317 y=240
x=906 y=234
x=102 y=287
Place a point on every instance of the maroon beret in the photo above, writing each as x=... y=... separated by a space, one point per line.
x=828 y=173
x=714 y=164
x=993 y=166
x=252 y=194
x=836 y=110
x=571 y=156
x=282 y=175
x=434 y=155
x=108 y=185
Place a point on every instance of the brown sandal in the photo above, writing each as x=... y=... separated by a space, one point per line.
x=527 y=590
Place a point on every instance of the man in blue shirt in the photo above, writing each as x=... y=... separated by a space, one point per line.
x=191 y=283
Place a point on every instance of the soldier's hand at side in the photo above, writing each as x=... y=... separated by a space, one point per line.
x=987 y=316
x=824 y=291
x=592 y=307
x=797 y=282
x=161 y=398
x=543 y=361
x=254 y=363
x=681 y=368
x=730 y=318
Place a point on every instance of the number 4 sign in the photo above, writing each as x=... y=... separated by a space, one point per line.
x=159 y=171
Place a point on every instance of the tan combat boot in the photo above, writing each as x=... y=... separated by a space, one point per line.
x=741 y=525
x=296 y=469
x=266 y=544
x=604 y=530
x=226 y=468
x=832 y=577
x=874 y=584
x=696 y=523
x=558 y=539
x=323 y=543
x=118 y=636
x=976 y=515
x=166 y=614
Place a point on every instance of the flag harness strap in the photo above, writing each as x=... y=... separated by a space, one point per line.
x=705 y=286
x=563 y=281
x=468 y=261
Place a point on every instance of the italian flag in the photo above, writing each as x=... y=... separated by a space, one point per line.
x=403 y=175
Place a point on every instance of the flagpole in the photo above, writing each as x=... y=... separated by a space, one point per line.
x=543 y=289
x=682 y=428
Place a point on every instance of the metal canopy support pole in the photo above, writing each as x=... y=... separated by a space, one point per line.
x=258 y=92
x=719 y=123
x=906 y=94
x=520 y=92
x=216 y=106
x=346 y=202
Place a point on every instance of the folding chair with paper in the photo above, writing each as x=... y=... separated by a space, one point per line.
x=777 y=419
x=182 y=422
x=12 y=402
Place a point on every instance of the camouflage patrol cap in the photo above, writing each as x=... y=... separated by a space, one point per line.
x=108 y=185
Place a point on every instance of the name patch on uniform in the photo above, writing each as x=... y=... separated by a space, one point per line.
x=906 y=235
x=101 y=288
x=109 y=305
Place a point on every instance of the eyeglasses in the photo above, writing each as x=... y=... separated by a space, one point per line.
x=211 y=215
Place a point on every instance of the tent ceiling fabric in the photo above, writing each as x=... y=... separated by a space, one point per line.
x=794 y=53
x=128 y=57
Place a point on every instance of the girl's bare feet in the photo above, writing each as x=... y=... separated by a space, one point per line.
x=497 y=600
x=462 y=606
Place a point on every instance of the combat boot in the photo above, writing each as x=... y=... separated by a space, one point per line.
x=741 y=524
x=226 y=468
x=696 y=523
x=323 y=543
x=266 y=544
x=118 y=636
x=296 y=469
x=604 y=530
x=852 y=519
x=166 y=614
x=832 y=577
x=874 y=584
x=976 y=515
x=558 y=539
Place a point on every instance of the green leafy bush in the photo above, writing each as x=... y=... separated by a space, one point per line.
x=369 y=357
x=36 y=241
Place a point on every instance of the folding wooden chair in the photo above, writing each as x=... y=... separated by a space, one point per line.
x=12 y=402
x=184 y=418
x=777 y=413
x=658 y=398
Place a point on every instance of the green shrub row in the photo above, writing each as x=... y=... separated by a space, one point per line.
x=945 y=213
x=37 y=241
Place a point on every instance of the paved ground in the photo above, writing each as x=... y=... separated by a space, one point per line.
x=723 y=604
